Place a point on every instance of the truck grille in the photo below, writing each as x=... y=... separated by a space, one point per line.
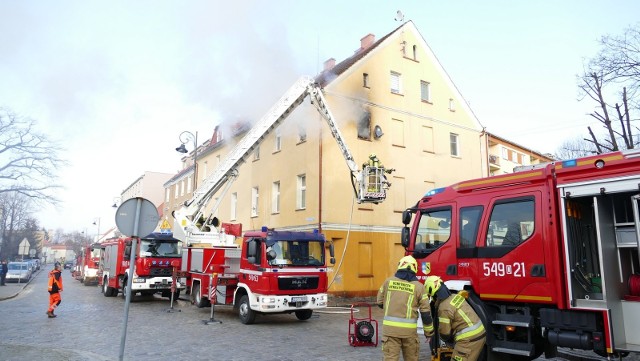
x=298 y=283
x=162 y=272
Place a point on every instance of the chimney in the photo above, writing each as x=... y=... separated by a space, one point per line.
x=329 y=64
x=367 y=41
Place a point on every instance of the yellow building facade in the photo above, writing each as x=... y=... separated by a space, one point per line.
x=392 y=98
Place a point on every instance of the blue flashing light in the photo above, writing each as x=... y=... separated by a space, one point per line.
x=434 y=192
x=569 y=163
x=264 y=228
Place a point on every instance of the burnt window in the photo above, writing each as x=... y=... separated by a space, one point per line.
x=364 y=126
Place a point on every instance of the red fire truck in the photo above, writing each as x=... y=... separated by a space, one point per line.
x=549 y=255
x=87 y=265
x=158 y=258
x=270 y=272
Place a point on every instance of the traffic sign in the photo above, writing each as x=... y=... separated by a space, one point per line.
x=137 y=217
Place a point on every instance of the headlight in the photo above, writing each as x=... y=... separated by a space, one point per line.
x=138 y=280
x=268 y=300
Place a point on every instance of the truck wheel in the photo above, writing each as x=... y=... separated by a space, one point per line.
x=304 y=315
x=247 y=315
x=196 y=297
x=106 y=290
x=125 y=283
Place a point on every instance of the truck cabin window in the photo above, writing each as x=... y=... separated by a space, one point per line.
x=159 y=249
x=469 y=224
x=297 y=253
x=511 y=223
x=434 y=229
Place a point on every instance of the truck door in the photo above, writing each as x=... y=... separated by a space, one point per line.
x=511 y=253
x=252 y=274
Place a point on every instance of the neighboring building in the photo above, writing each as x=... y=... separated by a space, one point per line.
x=52 y=252
x=505 y=155
x=150 y=185
x=392 y=98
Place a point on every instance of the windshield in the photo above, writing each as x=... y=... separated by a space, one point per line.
x=160 y=249
x=434 y=229
x=298 y=253
x=18 y=266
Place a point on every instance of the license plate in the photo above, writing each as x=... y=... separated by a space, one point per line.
x=299 y=299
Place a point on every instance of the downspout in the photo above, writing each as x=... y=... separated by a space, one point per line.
x=320 y=177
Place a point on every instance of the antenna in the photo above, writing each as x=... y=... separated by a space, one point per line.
x=399 y=16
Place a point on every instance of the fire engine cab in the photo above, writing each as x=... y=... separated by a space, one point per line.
x=158 y=257
x=549 y=255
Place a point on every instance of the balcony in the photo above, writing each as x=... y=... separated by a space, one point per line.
x=494 y=162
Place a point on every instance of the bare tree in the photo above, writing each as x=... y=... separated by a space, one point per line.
x=15 y=220
x=616 y=65
x=575 y=148
x=28 y=160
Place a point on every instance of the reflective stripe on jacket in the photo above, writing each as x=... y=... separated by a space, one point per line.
x=456 y=318
x=401 y=301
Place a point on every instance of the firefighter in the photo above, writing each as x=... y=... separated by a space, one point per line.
x=55 y=287
x=402 y=297
x=458 y=323
x=374 y=164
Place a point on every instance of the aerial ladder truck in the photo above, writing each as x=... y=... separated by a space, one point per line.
x=270 y=271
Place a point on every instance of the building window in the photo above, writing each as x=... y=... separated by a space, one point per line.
x=396 y=83
x=182 y=188
x=364 y=126
x=278 y=141
x=425 y=91
x=234 y=206
x=254 y=201
x=455 y=147
x=189 y=183
x=167 y=193
x=301 y=192
x=256 y=153
x=218 y=159
x=415 y=52
x=397 y=132
x=365 y=80
x=176 y=192
x=275 y=197
x=302 y=133
x=452 y=105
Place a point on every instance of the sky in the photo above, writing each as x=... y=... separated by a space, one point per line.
x=116 y=82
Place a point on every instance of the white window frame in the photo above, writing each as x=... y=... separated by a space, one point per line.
x=425 y=91
x=234 y=206
x=454 y=143
x=255 y=197
x=189 y=183
x=176 y=192
x=275 y=197
x=256 y=153
x=396 y=82
x=167 y=194
x=452 y=105
x=301 y=191
x=277 y=144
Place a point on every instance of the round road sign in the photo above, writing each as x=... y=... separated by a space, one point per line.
x=137 y=217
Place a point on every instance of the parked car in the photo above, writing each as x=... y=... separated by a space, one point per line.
x=19 y=272
x=68 y=265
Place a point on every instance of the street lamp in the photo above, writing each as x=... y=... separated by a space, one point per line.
x=184 y=137
x=116 y=202
x=96 y=222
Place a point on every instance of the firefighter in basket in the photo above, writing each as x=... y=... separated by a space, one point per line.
x=402 y=296
x=375 y=184
x=458 y=323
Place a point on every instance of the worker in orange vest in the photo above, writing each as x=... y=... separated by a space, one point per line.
x=55 y=287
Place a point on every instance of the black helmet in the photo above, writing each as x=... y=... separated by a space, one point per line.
x=57 y=264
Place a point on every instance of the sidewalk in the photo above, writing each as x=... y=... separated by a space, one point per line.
x=12 y=289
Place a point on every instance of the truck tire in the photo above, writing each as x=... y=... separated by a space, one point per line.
x=247 y=315
x=196 y=297
x=304 y=315
x=106 y=290
x=125 y=283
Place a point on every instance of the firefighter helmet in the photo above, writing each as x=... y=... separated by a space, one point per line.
x=432 y=285
x=409 y=263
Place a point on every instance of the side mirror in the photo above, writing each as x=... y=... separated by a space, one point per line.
x=406 y=217
x=332 y=260
x=405 y=236
x=252 y=249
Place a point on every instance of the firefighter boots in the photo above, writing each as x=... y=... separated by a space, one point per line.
x=50 y=314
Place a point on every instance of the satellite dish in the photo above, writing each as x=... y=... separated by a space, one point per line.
x=399 y=16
